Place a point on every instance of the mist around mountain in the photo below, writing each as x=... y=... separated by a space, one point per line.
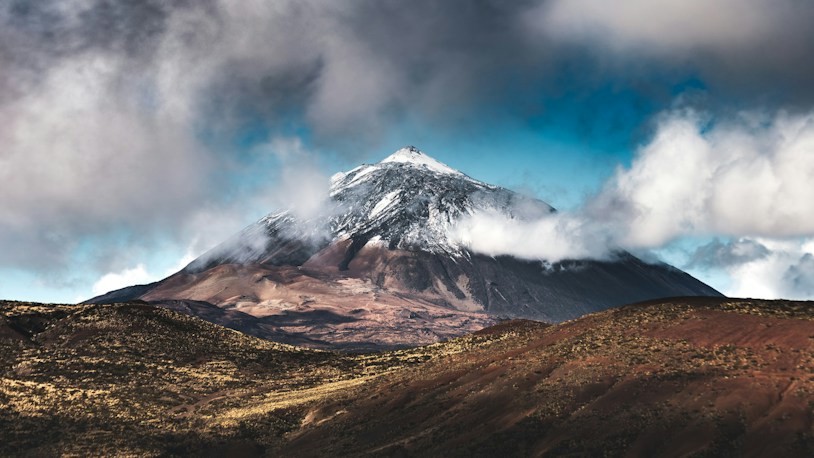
x=384 y=264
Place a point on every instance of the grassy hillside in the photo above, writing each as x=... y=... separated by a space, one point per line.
x=697 y=377
x=136 y=379
x=686 y=376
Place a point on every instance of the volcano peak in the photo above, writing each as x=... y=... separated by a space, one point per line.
x=414 y=156
x=384 y=268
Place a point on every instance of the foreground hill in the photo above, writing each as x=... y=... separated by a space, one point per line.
x=701 y=377
x=694 y=376
x=385 y=255
x=133 y=379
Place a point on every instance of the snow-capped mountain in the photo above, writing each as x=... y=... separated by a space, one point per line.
x=380 y=264
x=411 y=201
x=407 y=201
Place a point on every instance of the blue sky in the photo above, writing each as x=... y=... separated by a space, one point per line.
x=136 y=136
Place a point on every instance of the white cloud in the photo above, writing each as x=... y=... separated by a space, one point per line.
x=137 y=275
x=92 y=146
x=552 y=237
x=128 y=277
x=748 y=177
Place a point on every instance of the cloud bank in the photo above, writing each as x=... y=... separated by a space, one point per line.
x=125 y=121
x=130 y=116
x=747 y=176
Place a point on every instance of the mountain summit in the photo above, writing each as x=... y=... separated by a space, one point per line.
x=414 y=156
x=408 y=201
x=379 y=269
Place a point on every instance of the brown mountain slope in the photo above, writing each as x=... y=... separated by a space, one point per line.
x=389 y=298
x=701 y=377
x=313 y=308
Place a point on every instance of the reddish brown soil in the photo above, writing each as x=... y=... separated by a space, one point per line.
x=705 y=377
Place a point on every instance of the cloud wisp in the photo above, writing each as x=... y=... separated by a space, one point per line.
x=298 y=187
x=554 y=237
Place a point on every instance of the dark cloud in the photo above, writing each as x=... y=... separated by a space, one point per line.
x=717 y=254
x=800 y=277
x=747 y=52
